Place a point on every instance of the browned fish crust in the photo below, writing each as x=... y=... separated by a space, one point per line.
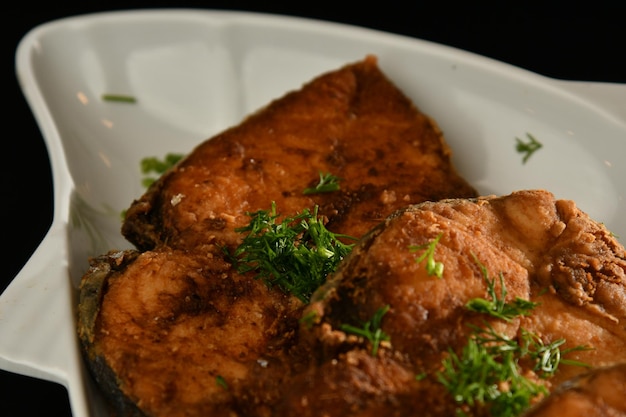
x=353 y=123
x=547 y=250
x=170 y=329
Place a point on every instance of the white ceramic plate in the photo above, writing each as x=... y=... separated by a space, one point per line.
x=195 y=73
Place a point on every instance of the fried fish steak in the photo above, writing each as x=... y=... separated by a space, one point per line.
x=546 y=251
x=353 y=123
x=170 y=329
x=168 y=334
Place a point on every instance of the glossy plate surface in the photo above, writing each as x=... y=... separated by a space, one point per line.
x=195 y=73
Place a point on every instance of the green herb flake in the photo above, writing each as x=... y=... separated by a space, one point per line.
x=157 y=166
x=120 y=98
x=370 y=330
x=497 y=306
x=527 y=148
x=421 y=376
x=309 y=319
x=486 y=373
x=548 y=357
x=432 y=267
x=295 y=254
x=220 y=381
x=327 y=183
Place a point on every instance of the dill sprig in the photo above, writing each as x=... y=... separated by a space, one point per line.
x=295 y=254
x=527 y=148
x=497 y=306
x=123 y=98
x=154 y=165
x=327 y=183
x=370 y=330
x=432 y=267
x=486 y=373
x=547 y=358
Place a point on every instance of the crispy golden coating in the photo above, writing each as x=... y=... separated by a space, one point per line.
x=547 y=251
x=353 y=123
x=170 y=329
x=182 y=335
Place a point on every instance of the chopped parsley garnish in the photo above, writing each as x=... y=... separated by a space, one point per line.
x=432 y=267
x=119 y=98
x=327 y=183
x=486 y=374
x=295 y=254
x=370 y=330
x=527 y=148
x=154 y=165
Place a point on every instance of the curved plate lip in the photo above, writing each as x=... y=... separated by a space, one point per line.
x=62 y=362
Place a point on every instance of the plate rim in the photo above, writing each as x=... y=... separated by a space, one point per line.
x=64 y=370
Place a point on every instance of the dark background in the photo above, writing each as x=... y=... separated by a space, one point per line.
x=586 y=42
